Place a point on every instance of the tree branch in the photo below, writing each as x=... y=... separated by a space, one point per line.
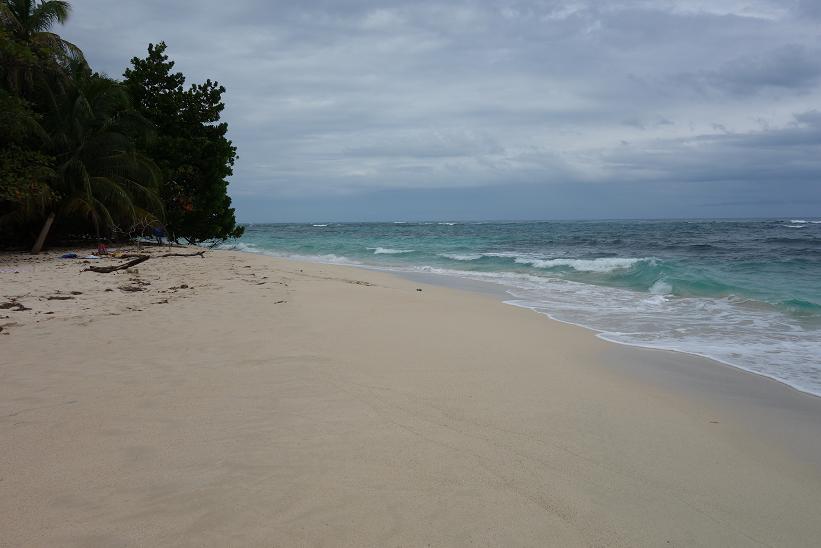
x=108 y=269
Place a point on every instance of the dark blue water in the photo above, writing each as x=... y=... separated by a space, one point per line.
x=746 y=293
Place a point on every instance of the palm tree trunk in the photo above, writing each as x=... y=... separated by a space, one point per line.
x=41 y=239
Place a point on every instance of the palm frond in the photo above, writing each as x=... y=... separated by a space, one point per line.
x=9 y=19
x=46 y=14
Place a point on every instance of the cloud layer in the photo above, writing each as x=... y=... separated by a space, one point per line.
x=350 y=105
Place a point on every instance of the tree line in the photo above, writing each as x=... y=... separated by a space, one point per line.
x=84 y=155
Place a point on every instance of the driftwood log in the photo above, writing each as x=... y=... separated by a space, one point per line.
x=135 y=255
x=198 y=253
x=107 y=269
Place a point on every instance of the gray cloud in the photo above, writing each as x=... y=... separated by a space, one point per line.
x=787 y=68
x=330 y=100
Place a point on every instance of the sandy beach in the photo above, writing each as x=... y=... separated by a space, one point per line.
x=240 y=400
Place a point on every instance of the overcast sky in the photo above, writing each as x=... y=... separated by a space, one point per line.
x=357 y=110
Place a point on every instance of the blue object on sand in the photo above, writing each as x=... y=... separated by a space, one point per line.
x=69 y=256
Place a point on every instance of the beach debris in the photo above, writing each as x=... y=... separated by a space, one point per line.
x=108 y=269
x=280 y=302
x=13 y=305
x=418 y=289
x=59 y=298
x=184 y=286
x=130 y=288
x=76 y=292
x=69 y=256
x=360 y=282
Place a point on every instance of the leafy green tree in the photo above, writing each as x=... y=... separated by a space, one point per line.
x=101 y=177
x=190 y=147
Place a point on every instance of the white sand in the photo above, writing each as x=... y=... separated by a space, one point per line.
x=361 y=412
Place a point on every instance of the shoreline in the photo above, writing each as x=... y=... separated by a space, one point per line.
x=278 y=402
x=499 y=289
x=690 y=372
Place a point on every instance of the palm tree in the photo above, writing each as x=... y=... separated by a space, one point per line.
x=33 y=63
x=101 y=178
x=29 y=24
x=25 y=171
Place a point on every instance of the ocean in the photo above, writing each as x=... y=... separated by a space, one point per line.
x=743 y=292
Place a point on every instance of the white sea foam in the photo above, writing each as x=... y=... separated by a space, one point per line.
x=447 y=224
x=601 y=264
x=389 y=251
x=240 y=246
x=329 y=258
x=319 y=225
x=605 y=264
x=797 y=221
x=461 y=256
x=730 y=330
x=513 y=255
x=796 y=226
x=660 y=287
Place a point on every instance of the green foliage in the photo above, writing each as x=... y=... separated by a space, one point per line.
x=74 y=145
x=24 y=168
x=24 y=190
x=29 y=51
x=190 y=146
x=101 y=176
x=26 y=171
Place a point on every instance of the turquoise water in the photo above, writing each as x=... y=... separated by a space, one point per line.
x=747 y=293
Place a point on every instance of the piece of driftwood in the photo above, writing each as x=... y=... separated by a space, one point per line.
x=135 y=255
x=108 y=269
x=13 y=305
x=198 y=253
